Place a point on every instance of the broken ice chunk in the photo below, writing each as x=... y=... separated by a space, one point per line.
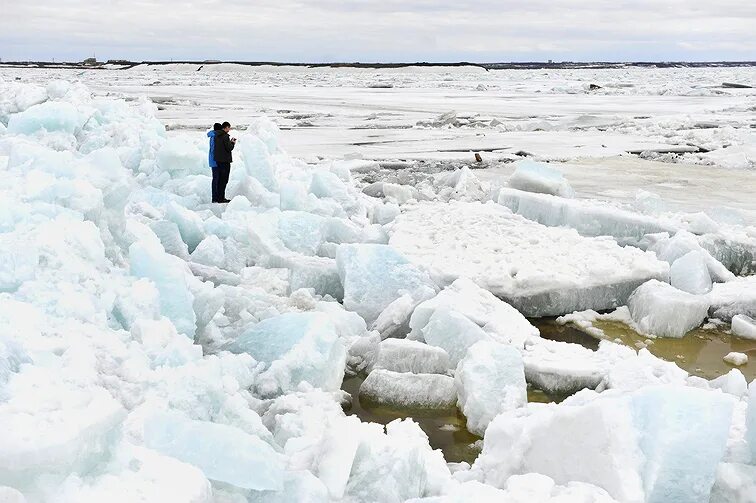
x=734 y=383
x=735 y=358
x=409 y=391
x=732 y=298
x=489 y=380
x=401 y=355
x=539 y=177
x=744 y=326
x=297 y=347
x=49 y=116
x=662 y=310
x=689 y=273
x=224 y=453
x=376 y=275
x=452 y=332
x=148 y=260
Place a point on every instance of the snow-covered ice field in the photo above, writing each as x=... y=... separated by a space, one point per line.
x=156 y=347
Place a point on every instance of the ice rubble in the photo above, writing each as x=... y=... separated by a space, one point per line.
x=541 y=271
x=642 y=443
x=726 y=251
x=122 y=289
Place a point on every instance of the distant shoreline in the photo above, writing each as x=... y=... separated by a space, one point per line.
x=564 y=65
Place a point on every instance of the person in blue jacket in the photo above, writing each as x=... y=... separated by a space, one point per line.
x=211 y=161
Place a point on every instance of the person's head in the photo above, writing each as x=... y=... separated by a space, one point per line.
x=217 y=126
x=226 y=126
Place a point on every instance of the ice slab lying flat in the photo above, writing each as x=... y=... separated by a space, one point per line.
x=490 y=380
x=587 y=218
x=409 y=391
x=539 y=177
x=732 y=298
x=658 y=444
x=297 y=347
x=401 y=355
x=662 y=310
x=376 y=275
x=224 y=453
x=541 y=271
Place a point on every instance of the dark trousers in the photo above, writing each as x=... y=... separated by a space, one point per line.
x=220 y=180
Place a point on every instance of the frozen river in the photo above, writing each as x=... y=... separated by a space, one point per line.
x=552 y=115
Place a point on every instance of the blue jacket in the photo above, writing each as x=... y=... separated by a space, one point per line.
x=211 y=155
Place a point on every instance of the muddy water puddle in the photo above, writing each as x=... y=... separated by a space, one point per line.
x=700 y=352
x=446 y=430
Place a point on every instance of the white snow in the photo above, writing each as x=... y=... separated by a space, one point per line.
x=122 y=287
x=541 y=271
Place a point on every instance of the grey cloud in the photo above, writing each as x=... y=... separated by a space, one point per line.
x=389 y=30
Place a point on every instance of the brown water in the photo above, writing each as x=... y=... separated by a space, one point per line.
x=700 y=352
x=446 y=430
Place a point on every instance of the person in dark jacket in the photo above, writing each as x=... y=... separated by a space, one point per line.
x=224 y=144
x=211 y=159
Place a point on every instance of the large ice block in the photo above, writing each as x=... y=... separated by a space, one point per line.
x=689 y=273
x=489 y=380
x=683 y=436
x=732 y=298
x=401 y=355
x=662 y=310
x=539 y=177
x=409 y=391
x=658 y=444
x=452 y=332
x=744 y=326
x=376 y=275
x=541 y=271
x=224 y=453
x=297 y=347
x=50 y=116
x=169 y=275
x=498 y=319
x=587 y=218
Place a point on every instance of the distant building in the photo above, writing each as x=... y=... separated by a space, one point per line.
x=90 y=61
x=551 y=62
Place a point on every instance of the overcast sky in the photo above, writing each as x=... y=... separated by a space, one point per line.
x=379 y=30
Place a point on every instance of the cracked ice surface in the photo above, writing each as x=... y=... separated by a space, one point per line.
x=539 y=270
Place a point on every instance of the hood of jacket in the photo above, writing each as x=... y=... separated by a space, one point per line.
x=211 y=134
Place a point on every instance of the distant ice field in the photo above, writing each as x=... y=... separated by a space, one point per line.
x=696 y=138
